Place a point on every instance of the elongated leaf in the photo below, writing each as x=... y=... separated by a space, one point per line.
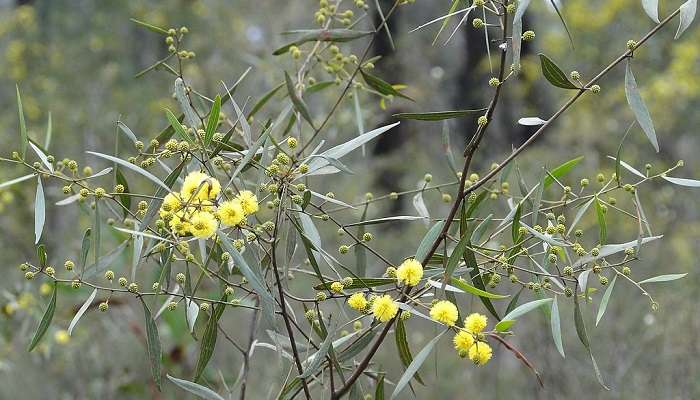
x=16 y=180
x=209 y=339
x=23 y=138
x=525 y=308
x=177 y=127
x=181 y=95
x=381 y=86
x=128 y=132
x=253 y=278
x=610 y=249
x=318 y=357
x=465 y=287
x=403 y=347
x=604 y=301
x=480 y=229
x=688 y=10
x=561 y=170
x=150 y=27
x=531 y=121
x=153 y=344
x=415 y=365
x=81 y=311
x=265 y=98
x=602 y=226
x=124 y=198
x=105 y=261
x=49 y=132
x=583 y=336
x=456 y=256
x=299 y=104
x=554 y=74
x=634 y=99
x=323 y=35
x=438 y=115
x=342 y=149
x=213 y=121
x=385 y=220
x=663 y=278
x=555 y=323
x=651 y=7
x=360 y=283
x=45 y=321
x=132 y=167
x=421 y=209
x=579 y=214
x=515 y=228
x=196 y=389
x=39 y=211
x=379 y=390
x=44 y=159
x=683 y=181
x=428 y=241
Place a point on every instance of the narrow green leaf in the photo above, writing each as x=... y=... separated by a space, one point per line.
x=45 y=321
x=39 y=211
x=515 y=228
x=412 y=368
x=84 y=250
x=456 y=256
x=49 y=132
x=403 y=347
x=128 y=132
x=602 y=226
x=322 y=35
x=360 y=283
x=81 y=311
x=124 y=198
x=298 y=103
x=555 y=323
x=381 y=86
x=213 y=121
x=41 y=253
x=209 y=339
x=458 y=283
x=265 y=98
x=688 y=10
x=651 y=7
x=16 y=180
x=523 y=309
x=428 y=241
x=318 y=356
x=583 y=336
x=177 y=126
x=478 y=232
x=379 y=390
x=604 y=300
x=438 y=115
x=682 y=181
x=634 y=99
x=196 y=389
x=554 y=74
x=23 y=138
x=132 y=167
x=663 y=278
x=560 y=171
x=153 y=344
x=150 y=27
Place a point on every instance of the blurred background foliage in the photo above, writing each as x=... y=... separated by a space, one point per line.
x=77 y=59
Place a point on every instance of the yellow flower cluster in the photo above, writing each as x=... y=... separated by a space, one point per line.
x=194 y=211
x=468 y=342
x=445 y=312
x=357 y=301
x=410 y=272
x=384 y=308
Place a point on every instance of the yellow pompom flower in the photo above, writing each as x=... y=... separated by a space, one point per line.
x=61 y=336
x=171 y=204
x=203 y=224
x=231 y=213
x=463 y=341
x=384 y=308
x=475 y=322
x=357 y=301
x=179 y=224
x=480 y=353
x=444 y=311
x=410 y=272
x=249 y=202
x=336 y=287
x=198 y=185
